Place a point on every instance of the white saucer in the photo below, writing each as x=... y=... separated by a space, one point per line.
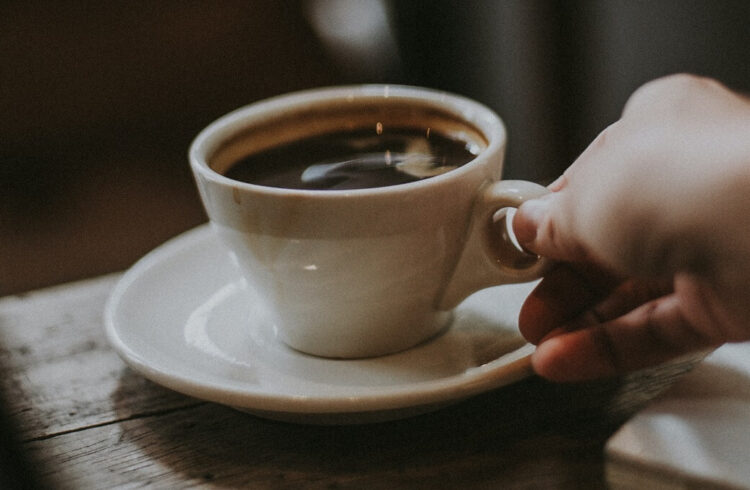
x=183 y=318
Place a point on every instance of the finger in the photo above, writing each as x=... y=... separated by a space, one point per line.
x=565 y=224
x=564 y=293
x=540 y=229
x=627 y=296
x=647 y=336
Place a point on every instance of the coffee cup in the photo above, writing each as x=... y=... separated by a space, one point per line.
x=367 y=269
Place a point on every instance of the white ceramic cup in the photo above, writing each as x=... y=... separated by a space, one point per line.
x=365 y=272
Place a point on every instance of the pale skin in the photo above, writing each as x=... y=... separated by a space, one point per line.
x=650 y=228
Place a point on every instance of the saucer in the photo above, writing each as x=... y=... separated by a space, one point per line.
x=183 y=317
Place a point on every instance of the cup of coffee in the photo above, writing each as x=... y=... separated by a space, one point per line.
x=361 y=216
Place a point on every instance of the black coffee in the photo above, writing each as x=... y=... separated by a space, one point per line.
x=355 y=159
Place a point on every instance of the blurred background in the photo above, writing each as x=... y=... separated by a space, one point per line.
x=100 y=100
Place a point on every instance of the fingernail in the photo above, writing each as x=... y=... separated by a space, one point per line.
x=528 y=219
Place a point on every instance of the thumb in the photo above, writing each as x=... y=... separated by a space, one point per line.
x=541 y=227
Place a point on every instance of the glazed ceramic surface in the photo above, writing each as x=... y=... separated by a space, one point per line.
x=184 y=318
x=349 y=274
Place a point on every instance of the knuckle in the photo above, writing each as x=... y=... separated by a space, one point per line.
x=669 y=93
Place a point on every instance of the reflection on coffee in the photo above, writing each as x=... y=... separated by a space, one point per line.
x=358 y=159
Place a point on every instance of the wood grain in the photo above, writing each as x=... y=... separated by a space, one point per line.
x=60 y=374
x=87 y=421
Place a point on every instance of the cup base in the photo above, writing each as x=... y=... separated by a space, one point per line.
x=362 y=347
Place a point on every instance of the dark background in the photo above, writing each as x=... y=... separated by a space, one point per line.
x=100 y=100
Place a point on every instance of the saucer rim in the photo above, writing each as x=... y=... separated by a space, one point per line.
x=511 y=367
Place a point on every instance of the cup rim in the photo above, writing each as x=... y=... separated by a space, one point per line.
x=481 y=117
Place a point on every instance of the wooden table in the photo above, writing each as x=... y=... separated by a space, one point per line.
x=85 y=420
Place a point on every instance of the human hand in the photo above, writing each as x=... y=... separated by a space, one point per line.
x=651 y=228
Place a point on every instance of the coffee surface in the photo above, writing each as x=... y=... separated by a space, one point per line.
x=355 y=159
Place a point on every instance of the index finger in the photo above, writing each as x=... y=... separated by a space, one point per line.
x=564 y=293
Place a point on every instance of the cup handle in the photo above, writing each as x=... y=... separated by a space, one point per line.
x=489 y=256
